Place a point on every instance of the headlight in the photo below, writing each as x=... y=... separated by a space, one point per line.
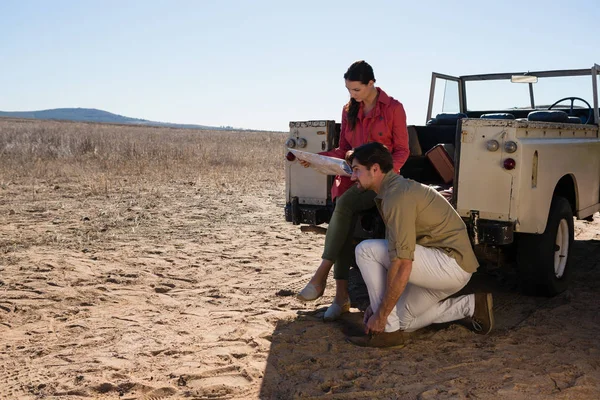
x=301 y=143
x=290 y=143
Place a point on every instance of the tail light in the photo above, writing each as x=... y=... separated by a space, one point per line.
x=492 y=145
x=510 y=146
x=510 y=164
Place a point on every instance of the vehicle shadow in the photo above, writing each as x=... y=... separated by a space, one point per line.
x=310 y=359
x=511 y=306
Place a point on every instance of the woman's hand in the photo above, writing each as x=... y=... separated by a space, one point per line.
x=305 y=164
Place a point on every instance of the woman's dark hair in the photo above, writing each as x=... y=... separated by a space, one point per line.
x=362 y=72
x=372 y=153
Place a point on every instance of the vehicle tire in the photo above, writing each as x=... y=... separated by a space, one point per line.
x=359 y=295
x=543 y=260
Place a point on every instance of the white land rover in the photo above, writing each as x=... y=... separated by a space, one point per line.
x=524 y=159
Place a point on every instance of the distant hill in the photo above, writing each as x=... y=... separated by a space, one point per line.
x=94 y=115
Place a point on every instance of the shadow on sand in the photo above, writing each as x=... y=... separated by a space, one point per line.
x=311 y=359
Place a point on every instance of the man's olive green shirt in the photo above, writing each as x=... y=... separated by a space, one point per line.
x=417 y=214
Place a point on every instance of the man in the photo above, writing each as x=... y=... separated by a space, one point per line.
x=425 y=258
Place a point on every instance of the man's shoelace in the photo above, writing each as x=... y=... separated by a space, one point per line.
x=477 y=325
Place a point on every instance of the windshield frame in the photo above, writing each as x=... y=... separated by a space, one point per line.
x=594 y=71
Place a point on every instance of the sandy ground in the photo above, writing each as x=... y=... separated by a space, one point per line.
x=183 y=292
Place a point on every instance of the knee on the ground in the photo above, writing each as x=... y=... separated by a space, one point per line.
x=405 y=322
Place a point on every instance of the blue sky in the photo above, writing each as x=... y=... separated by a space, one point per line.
x=259 y=64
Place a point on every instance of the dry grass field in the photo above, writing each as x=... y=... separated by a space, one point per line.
x=153 y=263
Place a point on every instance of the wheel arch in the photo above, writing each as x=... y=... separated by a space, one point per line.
x=567 y=187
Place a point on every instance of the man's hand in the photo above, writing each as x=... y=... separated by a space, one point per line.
x=375 y=324
x=396 y=280
x=368 y=313
x=305 y=164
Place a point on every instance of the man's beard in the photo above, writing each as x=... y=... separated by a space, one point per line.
x=360 y=187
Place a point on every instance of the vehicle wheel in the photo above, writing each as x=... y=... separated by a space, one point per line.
x=359 y=295
x=543 y=260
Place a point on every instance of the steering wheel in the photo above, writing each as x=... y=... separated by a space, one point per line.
x=571 y=113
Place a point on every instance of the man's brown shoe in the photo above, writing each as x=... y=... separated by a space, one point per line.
x=483 y=317
x=384 y=339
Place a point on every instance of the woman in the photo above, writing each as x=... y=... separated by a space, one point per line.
x=370 y=116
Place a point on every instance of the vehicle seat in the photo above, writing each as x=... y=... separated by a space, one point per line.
x=497 y=116
x=446 y=119
x=549 y=116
